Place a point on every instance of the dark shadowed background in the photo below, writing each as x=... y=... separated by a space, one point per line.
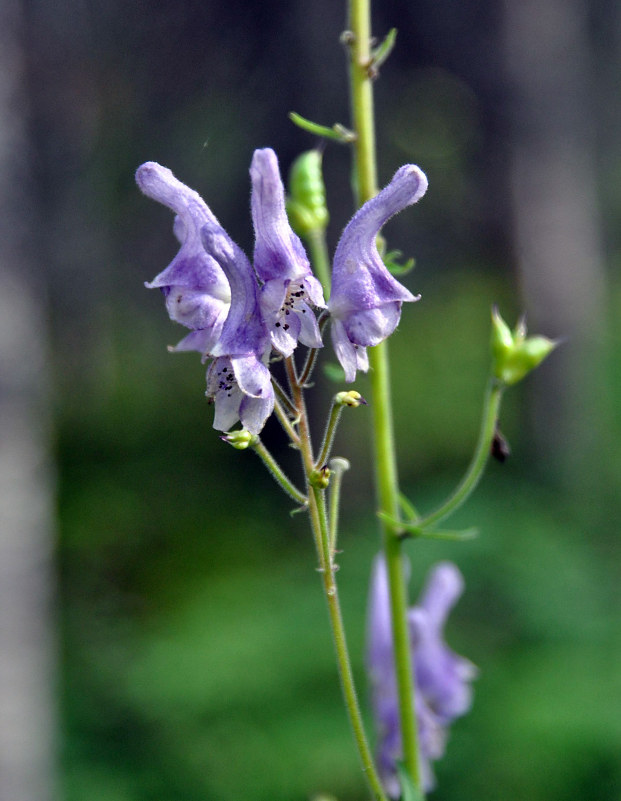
x=163 y=635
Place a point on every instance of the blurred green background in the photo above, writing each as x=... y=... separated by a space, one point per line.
x=195 y=659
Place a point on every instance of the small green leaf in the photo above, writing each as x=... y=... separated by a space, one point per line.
x=393 y=266
x=338 y=132
x=334 y=372
x=383 y=50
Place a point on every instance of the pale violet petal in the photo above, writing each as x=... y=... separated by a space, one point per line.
x=253 y=376
x=309 y=334
x=371 y=326
x=278 y=252
x=254 y=412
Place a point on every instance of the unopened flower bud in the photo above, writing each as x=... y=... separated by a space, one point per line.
x=339 y=465
x=350 y=398
x=320 y=477
x=514 y=354
x=240 y=439
x=306 y=204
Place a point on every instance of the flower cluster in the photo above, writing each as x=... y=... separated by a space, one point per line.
x=442 y=678
x=238 y=312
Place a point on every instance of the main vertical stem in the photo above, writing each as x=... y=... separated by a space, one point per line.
x=385 y=456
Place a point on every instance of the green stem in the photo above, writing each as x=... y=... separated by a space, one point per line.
x=385 y=457
x=338 y=466
x=328 y=439
x=320 y=258
x=491 y=410
x=285 y=422
x=278 y=474
x=388 y=497
x=319 y=526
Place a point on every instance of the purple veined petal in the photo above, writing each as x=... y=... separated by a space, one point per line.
x=244 y=331
x=360 y=279
x=191 y=267
x=314 y=291
x=351 y=357
x=232 y=401
x=361 y=283
x=196 y=290
x=224 y=392
x=253 y=412
x=252 y=376
x=371 y=326
x=280 y=260
x=309 y=335
x=278 y=251
x=201 y=340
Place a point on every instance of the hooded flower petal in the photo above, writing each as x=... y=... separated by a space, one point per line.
x=366 y=299
x=195 y=287
x=289 y=288
x=238 y=380
x=442 y=677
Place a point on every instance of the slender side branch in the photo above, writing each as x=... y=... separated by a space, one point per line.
x=278 y=474
x=319 y=525
x=286 y=423
x=338 y=466
x=491 y=410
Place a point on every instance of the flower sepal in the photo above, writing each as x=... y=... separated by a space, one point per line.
x=240 y=439
x=320 y=477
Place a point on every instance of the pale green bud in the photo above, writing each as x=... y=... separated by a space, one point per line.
x=514 y=354
x=240 y=439
x=320 y=477
x=349 y=398
x=306 y=204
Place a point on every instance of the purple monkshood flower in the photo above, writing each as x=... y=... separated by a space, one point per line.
x=442 y=678
x=365 y=303
x=195 y=288
x=210 y=287
x=281 y=262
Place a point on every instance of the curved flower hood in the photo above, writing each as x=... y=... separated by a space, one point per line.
x=365 y=303
x=195 y=288
x=289 y=288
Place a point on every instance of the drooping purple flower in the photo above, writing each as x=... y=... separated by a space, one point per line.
x=289 y=287
x=365 y=302
x=195 y=288
x=238 y=379
x=442 y=678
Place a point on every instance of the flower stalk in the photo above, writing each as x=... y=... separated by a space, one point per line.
x=385 y=456
x=321 y=535
x=277 y=473
x=472 y=476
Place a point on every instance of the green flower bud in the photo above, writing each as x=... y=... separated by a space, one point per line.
x=514 y=354
x=240 y=439
x=349 y=398
x=306 y=204
x=320 y=477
